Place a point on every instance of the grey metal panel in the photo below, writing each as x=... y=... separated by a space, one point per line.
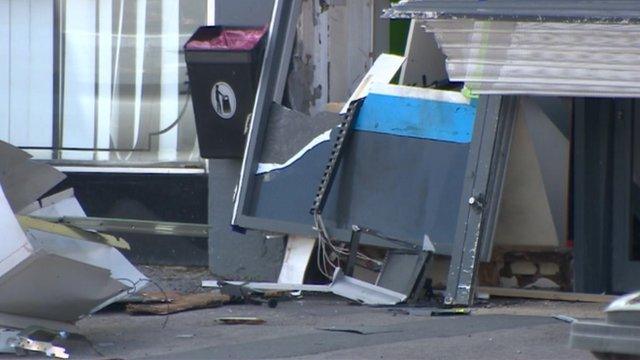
x=377 y=186
x=45 y=286
x=484 y=176
x=401 y=271
x=625 y=267
x=242 y=12
x=23 y=179
x=539 y=10
x=233 y=255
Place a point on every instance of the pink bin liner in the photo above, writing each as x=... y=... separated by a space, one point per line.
x=230 y=39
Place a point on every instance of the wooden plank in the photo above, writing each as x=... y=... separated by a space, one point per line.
x=546 y=295
x=173 y=302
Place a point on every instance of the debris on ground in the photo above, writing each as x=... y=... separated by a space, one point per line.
x=565 y=318
x=360 y=330
x=80 y=271
x=158 y=303
x=241 y=320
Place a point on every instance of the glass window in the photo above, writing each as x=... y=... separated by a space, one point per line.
x=98 y=80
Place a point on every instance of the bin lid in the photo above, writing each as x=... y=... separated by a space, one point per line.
x=228 y=39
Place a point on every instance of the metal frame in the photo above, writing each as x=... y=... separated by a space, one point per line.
x=273 y=76
x=592 y=170
x=131 y=226
x=482 y=190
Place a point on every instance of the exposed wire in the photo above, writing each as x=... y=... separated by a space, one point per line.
x=326 y=248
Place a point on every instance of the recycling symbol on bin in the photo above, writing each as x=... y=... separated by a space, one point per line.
x=223 y=100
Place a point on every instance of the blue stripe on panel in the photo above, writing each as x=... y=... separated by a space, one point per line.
x=417 y=118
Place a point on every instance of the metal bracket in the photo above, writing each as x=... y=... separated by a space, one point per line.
x=20 y=342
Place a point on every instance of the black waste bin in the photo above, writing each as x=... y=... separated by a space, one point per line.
x=224 y=66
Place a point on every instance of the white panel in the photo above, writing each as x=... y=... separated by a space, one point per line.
x=425 y=60
x=13 y=238
x=169 y=107
x=105 y=50
x=19 y=76
x=39 y=125
x=525 y=217
x=80 y=75
x=211 y=12
x=5 y=25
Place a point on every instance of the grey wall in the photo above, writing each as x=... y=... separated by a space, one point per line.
x=232 y=255
x=242 y=12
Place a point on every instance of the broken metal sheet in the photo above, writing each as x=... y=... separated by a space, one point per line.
x=30 y=223
x=24 y=180
x=341 y=285
x=55 y=288
x=363 y=292
x=383 y=70
x=45 y=347
x=52 y=280
x=265 y=286
x=8 y=338
x=92 y=253
x=38 y=339
x=361 y=330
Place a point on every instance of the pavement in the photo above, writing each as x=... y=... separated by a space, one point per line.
x=300 y=329
x=325 y=326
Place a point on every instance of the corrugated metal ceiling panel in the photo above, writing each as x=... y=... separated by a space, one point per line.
x=538 y=10
x=537 y=57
